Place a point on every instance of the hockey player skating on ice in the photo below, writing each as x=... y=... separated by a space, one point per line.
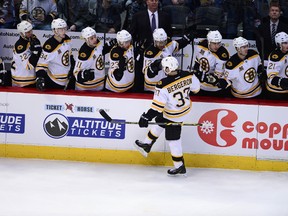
x=89 y=68
x=56 y=62
x=121 y=74
x=171 y=103
x=26 y=53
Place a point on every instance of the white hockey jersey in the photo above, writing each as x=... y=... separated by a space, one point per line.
x=127 y=80
x=55 y=59
x=37 y=11
x=22 y=69
x=90 y=58
x=151 y=54
x=211 y=63
x=243 y=74
x=171 y=95
x=277 y=66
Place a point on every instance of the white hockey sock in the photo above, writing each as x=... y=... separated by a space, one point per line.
x=155 y=131
x=176 y=152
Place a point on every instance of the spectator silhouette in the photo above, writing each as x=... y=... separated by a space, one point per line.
x=7 y=14
x=74 y=12
x=107 y=17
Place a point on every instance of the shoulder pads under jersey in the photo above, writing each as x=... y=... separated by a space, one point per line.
x=223 y=53
x=233 y=62
x=85 y=52
x=21 y=45
x=116 y=53
x=151 y=51
x=276 y=55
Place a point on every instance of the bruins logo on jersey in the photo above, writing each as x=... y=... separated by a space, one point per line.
x=224 y=55
x=99 y=63
x=115 y=55
x=275 y=56
x=82 y=55
x=48 y=47
x=250 y=75
x=130 y=65
x=20 y=47
x=229 y=64
x=65 y=58
x=204 y=64
x=149 y=53
x=38 y=13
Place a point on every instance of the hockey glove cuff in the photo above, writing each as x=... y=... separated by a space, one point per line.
x=3 y=74
x=35 y=46
x=108 y=46
x=223 y=84
x=211 y=79
x=143 y=121
x=40 y=83
x=155 y=66
x=280 y=82
x=87 y=75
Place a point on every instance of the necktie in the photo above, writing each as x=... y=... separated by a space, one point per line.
x=273 y=33
x=153 y=23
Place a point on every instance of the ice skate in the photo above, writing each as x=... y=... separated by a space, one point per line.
x=143 y=148
x=181 y=171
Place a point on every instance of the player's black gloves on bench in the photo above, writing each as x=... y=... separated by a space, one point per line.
x=280 y=82
x=86 y=75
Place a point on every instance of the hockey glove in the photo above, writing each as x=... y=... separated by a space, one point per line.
x=189 y=37
x=112 y=42
x=40 y=83
x=140 y=46
x=48 y=19
x=108 y=46
x=122 y=63
x=87 y=75
x=35 y=46
x=143 y=121
x=211 y=79
x=155 y=66
x=280 y=82
x=262 y=75
x=139 y=49
x=223 y=84
x=3 y=74
x=198 y=74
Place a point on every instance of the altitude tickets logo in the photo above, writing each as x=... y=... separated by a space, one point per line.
x=12 y=123
x=57 y=125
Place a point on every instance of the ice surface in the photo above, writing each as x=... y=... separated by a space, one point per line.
x=31 y=187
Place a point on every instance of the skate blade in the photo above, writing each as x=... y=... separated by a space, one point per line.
x=177 y=175
x=141 y=150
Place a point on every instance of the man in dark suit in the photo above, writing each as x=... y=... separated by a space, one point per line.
x=142 y=26
x=270 y=26
x=142 y=23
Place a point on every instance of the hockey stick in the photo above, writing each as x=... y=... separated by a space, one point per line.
x=192 y=56
x=109 y=119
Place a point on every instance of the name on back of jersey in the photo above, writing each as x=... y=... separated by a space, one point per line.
x=179 y=85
